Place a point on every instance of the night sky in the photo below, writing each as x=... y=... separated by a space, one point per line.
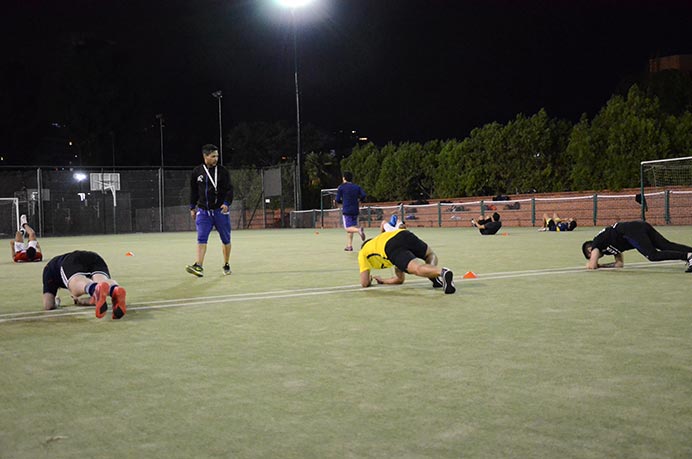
x=393 y=70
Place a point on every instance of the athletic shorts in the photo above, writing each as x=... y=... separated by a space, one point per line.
x=350 y=221
x=208 y=219
x=20 y=252
x=82 y=263
x=403 y=248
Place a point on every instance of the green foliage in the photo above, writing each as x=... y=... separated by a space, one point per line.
x=607 y=151
x=529 y=154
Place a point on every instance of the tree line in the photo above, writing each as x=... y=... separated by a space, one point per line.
x=534 y=153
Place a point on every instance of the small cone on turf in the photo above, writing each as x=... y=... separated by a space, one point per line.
x=129 y=254
x=505 y=234
x=470 y=275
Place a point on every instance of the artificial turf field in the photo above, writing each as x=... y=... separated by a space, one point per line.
x=289 y=358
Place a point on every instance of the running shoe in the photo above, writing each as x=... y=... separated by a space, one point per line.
x=99 y=299
x=437 y=282
x=348 y=248
x=195 y=270
x=226 y=269
x=361 y=232
x=448 y=280
x=689 y=264
x=119 y=306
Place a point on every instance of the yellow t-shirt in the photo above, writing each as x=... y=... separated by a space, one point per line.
x=372 y=255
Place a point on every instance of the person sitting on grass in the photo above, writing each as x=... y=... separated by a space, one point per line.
x=488 y=226
x=25 y=251
x=403 y=250
x=557 y=224
x=640 y=235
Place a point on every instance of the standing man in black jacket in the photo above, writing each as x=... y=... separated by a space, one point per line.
x=211 y=195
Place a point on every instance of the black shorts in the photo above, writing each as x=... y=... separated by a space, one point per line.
x=82 y=262
x=403 y=248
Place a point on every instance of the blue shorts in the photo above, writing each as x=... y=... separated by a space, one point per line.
x=350 y=220
x=208 y=219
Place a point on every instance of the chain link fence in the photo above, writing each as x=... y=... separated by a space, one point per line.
x=62 y=201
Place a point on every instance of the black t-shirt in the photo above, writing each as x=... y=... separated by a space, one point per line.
x=491 y=227
x=610 y=242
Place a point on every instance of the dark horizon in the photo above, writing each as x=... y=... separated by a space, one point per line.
x=395 y=71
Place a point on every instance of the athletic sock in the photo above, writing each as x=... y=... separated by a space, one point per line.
x=113 y=287
x=91 y=288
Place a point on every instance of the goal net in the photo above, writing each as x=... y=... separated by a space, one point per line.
x=329 y=209
x=663 y=180
x=9 y=217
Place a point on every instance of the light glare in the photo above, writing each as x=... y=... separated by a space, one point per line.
x=293 y=3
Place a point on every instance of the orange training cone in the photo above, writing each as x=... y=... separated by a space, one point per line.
x=470 y=275
x=129 y=254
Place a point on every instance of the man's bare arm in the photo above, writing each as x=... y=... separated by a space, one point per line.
x=398 y=278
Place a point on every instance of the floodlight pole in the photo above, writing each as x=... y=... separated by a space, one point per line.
x=219 y=95
x=161 y=183
x=299 y=205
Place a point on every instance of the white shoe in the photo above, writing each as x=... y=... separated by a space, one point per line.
x=22 y=221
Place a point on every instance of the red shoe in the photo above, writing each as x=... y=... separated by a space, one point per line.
x=99 y=299
x=119 y=307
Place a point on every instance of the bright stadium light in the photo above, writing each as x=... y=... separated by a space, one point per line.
x=79 y=176
x=293 y=3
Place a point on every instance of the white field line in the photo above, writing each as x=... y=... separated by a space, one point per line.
x=279 y=294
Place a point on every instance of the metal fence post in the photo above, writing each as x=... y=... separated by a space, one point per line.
x=666 y=212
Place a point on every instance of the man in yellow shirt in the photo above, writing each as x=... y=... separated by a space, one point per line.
x=403 y=250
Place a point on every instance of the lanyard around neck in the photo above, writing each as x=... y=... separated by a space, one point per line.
x=212 y=180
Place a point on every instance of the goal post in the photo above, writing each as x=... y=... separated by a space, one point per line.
x=327 y=202
x=9 y=216
x=662 y=174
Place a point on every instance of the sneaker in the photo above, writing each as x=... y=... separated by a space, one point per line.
x=392 y=221
x=473 y=222
x=22 y=221
x=361 y=232
x=195 y=270
x=226 y=269
x=448 y=280
x=348 y=249
x=99 y=299
x=689 y=264
x=119 y=307
x=437 y=282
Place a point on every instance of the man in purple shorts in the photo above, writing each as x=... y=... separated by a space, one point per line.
x=211 y=195
x=350 y=195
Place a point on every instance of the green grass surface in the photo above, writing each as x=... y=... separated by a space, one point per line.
x=289 y=358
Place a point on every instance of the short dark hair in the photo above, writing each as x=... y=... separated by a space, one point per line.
x=348 y=176
x=209 y=148
x=496 y=217
x=31 y=253
x=571 y=225
x=586 y=249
